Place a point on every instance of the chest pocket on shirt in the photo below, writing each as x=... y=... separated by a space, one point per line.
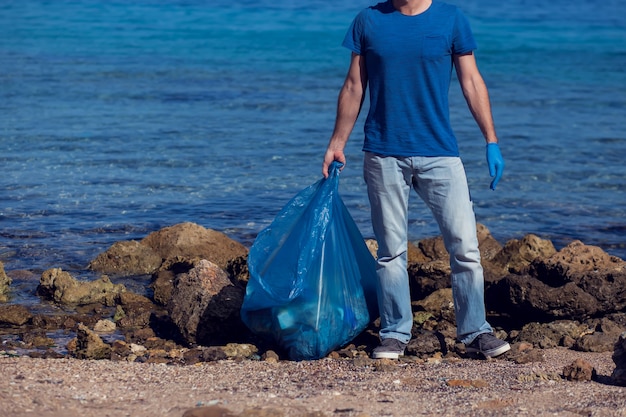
x=435 y=47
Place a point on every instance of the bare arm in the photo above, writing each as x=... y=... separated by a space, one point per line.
x=476 y=94
x=348 y=108
x=477 y=97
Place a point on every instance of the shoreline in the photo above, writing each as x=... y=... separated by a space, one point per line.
x=320 y=388
x=156 y=369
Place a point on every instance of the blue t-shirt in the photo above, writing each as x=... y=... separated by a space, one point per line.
x=409 y=66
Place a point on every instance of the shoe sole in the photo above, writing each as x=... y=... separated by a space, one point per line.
x=493 y=352
x=387 y=355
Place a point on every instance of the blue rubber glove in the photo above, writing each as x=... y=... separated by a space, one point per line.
x=495 y=163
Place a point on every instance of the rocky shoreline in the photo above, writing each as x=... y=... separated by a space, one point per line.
x=538 y=299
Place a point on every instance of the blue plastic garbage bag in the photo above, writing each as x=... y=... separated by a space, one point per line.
x=312 y=278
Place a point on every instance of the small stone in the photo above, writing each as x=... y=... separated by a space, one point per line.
x=385 y=365
x=579 y=370
x=90 y=345
x=104 y=326
x=270 y=356
x=467 y=383
x=14 y=314
x=137 y=349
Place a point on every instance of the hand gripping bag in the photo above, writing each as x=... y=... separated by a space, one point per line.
x=312 y=278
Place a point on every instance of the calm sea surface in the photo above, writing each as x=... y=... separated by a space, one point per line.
x=118 y=118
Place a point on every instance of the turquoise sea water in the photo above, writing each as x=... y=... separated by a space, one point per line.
x=118 y=118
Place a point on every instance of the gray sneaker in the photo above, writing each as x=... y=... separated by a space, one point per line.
x=488 y=345
x=389 y=349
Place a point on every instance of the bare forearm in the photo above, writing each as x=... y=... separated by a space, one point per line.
x=348 y=109
x=477 y=97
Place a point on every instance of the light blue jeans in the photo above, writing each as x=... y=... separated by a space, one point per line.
x=441 y=183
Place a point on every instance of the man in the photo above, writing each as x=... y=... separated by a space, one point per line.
x=404 y=51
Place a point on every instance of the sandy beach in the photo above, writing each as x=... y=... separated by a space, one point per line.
x=328 y=387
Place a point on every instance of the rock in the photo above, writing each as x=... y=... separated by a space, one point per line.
x=127 y=258
x=47 y=354
x=549 y=335
x=428 y=277
x=127 y=298
x=237 y=269
x=120 y=351
x=594 y=271
x=62 y=288
x=433 y=248
x=163 y=280
x=617 y=318
x=36 y=338
x=5 y=282
x=104 y=326
x=576 y=260
x=240 y=351
x=350 y=351
x=205 y=306
x=428 y=264
x=159 y=343
x=467 y=383
x=372 y=246
x=139 y=336
x=192 y=356
x=517 y=255
x=63 y=321
x=134 y=310
x=137 y=349
x=270 y=356
x=619 y=358
x=577 y=282
x=385 y=365
x=89 y=345
x=488 y=245
x=524 y=352
x=602 y=338
x=14 y=314
x=579 y=370
x=439 y=304
x=190 y=240
x=424 y=344
x=524 y=298
x=162 y=285
x=181 y=241
x=213 y=353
